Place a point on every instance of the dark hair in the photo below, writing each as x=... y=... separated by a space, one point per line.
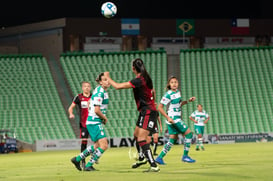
x=168 y=84
x=98 y=79
x=140 y=68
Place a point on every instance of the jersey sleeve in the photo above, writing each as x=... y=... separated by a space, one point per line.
x=207 y=115
x=76 y=100
x=135 y=82
x=193 y=114
x=166 y=99
x=98 y=98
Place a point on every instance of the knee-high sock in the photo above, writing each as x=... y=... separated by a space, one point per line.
x=140 y=153
x=95 y=157
x=147 y=152
x=85 y=153
x=187 y=143
x=167 y=147
x=83 y=144
x=155 y=146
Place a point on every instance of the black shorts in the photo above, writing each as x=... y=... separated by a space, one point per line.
x=84 y=132
x=155 y=131
x=147 y=120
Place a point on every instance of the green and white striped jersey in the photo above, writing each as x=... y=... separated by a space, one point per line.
x=200 y=117
x=99 y=98
x=173 y=99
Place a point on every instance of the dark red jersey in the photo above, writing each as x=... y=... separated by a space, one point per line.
x=82 y=103
x=143 y=94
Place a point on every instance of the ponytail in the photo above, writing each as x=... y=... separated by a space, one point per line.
x=140 y=68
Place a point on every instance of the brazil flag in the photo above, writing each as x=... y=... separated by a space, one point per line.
x=185 y=26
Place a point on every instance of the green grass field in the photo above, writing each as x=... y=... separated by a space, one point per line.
x=241 y=161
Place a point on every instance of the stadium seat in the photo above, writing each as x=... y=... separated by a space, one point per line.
x=29 y=99
x=235 y=86
x=122 y=109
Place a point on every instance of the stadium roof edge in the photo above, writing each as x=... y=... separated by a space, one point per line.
x=228 y=48
x=33 y=27
x=111 y=53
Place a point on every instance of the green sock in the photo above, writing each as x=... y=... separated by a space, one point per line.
x=167 y=147
x=96 y=155
x=187 y=143
x=85 y=153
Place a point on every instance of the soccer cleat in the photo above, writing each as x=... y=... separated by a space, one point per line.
x=203 y=148
x=139 y=163
x=197 y=149
x=77 y=164
x=187 y=159
x=152 y=169
x=160 y=161
x=88 y=169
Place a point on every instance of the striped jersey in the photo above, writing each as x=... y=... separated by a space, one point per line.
x=99 y=98
x=200 y=117
x=173 y=99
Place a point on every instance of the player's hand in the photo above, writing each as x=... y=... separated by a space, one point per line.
x=71 y=116
x=192 y=99
x=161 y=129
x=196 y=121
x=170 y=120
x=105 y=121
x=106 y=74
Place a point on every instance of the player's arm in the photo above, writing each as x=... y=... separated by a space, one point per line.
x=100 y=114
x=160 y=123
x=162 y=111
x=123 y=85
x=70 y=110
x=191 y=118
x=186 y=102
x=206 y=121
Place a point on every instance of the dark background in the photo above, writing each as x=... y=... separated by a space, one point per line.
x=21 y=12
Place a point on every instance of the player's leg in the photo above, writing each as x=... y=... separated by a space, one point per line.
x=197 y=132
x=167 y=147
x=92 y=130
x=200 y=137
x=141 y=156
x=187 y=143
x=97 y=135
x=103 y=145
x=142 y=137
x=84 y=136
x=155 y=142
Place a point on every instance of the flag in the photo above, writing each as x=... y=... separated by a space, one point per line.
x=185 y=26
x=130 y=26
x=239 y=26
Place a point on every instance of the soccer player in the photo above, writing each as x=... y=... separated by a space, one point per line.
x=142 y=88
x=81 y=100
x=96 y=119
x=200 y=117
x=176 y=126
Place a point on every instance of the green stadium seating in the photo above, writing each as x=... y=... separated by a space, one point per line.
x=122 y=113
x=30 y=104
x=234 y=85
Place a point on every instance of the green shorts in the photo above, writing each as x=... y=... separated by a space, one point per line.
x=199 y=129
x=177 y=128
x=96 y=131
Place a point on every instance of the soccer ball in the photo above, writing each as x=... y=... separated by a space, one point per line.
x=108 y=9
